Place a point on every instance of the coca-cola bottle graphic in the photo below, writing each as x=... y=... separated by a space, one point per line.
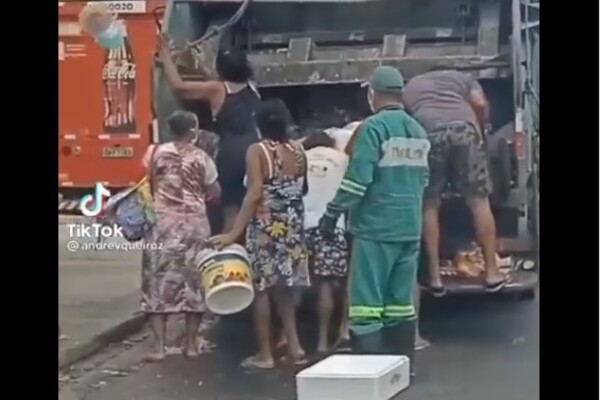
x=118 y=75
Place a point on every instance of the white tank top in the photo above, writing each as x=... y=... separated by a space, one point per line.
x=326 y=168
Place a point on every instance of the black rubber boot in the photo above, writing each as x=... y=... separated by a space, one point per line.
x=372 y=343
x=400 y=339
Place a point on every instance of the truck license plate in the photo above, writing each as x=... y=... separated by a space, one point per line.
x=117 y=152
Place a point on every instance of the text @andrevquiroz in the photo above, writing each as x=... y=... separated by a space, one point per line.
x=75 y=245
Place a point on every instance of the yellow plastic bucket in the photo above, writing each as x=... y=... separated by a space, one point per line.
x=227 y=280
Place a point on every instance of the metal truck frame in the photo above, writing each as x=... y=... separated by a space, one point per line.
x=317 y=49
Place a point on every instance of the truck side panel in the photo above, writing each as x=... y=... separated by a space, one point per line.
x=105 y=114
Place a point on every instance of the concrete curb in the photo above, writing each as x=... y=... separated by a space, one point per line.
x=72 y=354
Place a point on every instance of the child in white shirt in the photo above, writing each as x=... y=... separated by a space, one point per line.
x=328 y=257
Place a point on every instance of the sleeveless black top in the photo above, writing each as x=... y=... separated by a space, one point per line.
x=237 y=130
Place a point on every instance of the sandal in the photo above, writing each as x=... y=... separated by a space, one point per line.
x=421 y=344
x=437 y=291
x=298 y=361
x=253 y=363
x=342 y=346
x=497 y=286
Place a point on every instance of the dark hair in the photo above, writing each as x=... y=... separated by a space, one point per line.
x=182 y=122
x=318 y=139
x=273 y=119
x=233 y=66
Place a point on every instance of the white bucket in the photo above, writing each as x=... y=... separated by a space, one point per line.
x=227 y=280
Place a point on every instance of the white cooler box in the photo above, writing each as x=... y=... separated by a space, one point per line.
x=354 y=377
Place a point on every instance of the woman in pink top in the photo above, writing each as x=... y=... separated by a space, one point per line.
x=183 y=179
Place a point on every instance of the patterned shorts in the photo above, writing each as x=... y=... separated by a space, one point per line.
x=457 y=162
x=328 y=257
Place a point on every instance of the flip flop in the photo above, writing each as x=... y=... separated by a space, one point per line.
x=437 y=291
x=497 y=286
x=342 y=345
x=300 y=361
x=421 y=344
x=252 y=363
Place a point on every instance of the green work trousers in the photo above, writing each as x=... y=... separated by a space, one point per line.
x=382 y=281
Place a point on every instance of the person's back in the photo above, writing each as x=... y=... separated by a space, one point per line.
x=391 y=208
x=182 y=176
x=283 y=183
x=383 y=189
x=237 y=130
x=440 y=97
x=453 y=108
x=179 y=176
x=232 y=101
x=272 y=216
x=326 y=168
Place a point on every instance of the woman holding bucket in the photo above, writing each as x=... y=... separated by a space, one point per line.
x=182 y=177
x=273 y=211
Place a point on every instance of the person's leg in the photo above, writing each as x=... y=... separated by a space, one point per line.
x=262 y=328
x=485 y=229
x=438 y=160
x=400 y=316
x=420 y=342
x=431 y=239
x=286 y=302
x=192 y=324
x=470 y=176
x=158 y=325
x=324 y=311
x=344 y=331
x=368 y=272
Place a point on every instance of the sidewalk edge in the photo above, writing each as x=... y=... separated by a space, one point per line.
x=129 y=326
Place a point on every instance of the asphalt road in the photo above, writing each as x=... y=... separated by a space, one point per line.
x=483 y=349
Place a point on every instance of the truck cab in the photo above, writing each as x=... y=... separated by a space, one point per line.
x=314 y=54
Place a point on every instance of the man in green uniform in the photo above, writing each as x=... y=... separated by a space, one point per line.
x=383 y=191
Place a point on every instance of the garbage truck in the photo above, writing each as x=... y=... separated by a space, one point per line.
x=314 y=55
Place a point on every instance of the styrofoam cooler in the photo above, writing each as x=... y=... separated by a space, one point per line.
x=354 y=377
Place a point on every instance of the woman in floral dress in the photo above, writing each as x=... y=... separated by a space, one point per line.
x=183 y=177
x=273 y=213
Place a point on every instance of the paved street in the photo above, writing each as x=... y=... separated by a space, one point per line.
x=484 y=349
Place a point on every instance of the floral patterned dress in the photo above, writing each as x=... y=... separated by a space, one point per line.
x=170 y=279
x=275 y=236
